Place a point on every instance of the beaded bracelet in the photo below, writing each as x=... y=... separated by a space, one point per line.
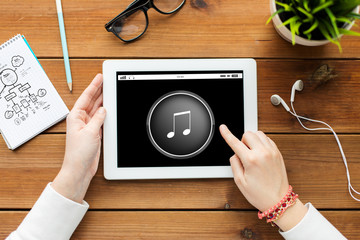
x=270 y=210
x=278 y=210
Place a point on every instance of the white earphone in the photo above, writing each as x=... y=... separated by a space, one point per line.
x=298 y=86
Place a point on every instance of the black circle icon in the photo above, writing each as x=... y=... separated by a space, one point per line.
x=180 y=124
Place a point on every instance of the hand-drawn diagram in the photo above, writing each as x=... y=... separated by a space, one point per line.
x=19 y=98
x=17 y=61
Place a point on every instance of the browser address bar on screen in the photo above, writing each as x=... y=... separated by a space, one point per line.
x=179 y=76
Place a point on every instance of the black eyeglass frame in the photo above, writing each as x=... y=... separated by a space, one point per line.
x=142 y=5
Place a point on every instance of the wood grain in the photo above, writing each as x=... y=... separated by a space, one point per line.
x=334 y=101
x=207 y=208
x=212 y=29
x=314 y=166
x=181 y=225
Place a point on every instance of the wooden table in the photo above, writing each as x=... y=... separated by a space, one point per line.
x=190 y=209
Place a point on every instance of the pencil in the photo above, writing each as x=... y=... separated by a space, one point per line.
x=64 y=44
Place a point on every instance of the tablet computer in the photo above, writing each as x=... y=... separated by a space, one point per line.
x=163 y=116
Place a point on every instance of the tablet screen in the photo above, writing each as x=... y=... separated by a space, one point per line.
x=172 y=119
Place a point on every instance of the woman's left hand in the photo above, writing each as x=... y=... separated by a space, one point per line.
x=83 y=143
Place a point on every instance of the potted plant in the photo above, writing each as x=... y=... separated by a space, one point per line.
x=314 y=22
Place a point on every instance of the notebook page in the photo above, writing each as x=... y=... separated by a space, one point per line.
x=29 y=103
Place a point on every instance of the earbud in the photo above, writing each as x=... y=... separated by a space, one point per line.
x=298 y=86
x=276 y=100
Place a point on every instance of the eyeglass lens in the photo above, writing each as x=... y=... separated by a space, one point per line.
x=133 y=24
x=167 y=6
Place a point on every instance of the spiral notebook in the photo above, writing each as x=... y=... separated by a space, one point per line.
x=29 y=103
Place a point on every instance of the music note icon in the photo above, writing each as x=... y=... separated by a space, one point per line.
x=187 y=131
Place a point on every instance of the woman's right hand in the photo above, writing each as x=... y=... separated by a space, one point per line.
x=260 y=174
x=258 y=168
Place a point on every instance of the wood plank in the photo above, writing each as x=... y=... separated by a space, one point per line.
x=314 y=165
x=210 y=29
x=333 y=101
x=182 y=225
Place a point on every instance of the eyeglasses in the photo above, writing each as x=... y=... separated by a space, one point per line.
x=133 y=22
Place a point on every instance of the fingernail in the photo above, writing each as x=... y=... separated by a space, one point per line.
x=223 y=127
x=101 y=110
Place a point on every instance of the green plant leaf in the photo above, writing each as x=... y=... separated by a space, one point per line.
x=353 y=15
x=325 y=33
x=322 y=6
x=309 y=15
x=273 y=15
x=296 y=27
x=312 y=28
x=344 y=7
x=287 y=7
x=330 y=29
x=292 y=29
x=349 y=32
x=290 y=20
x=343 y=19
x=333 y=22
x=306 y=6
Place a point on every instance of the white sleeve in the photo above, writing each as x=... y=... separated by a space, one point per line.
x=52 y=217
x=313 y=226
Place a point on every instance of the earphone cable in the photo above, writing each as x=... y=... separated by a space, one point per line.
x=329 y=128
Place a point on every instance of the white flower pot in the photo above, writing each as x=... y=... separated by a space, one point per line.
x=285 y=33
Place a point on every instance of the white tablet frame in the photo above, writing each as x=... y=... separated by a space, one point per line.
x=110 y=67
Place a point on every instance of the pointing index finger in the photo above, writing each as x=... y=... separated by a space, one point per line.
x=234 y=143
